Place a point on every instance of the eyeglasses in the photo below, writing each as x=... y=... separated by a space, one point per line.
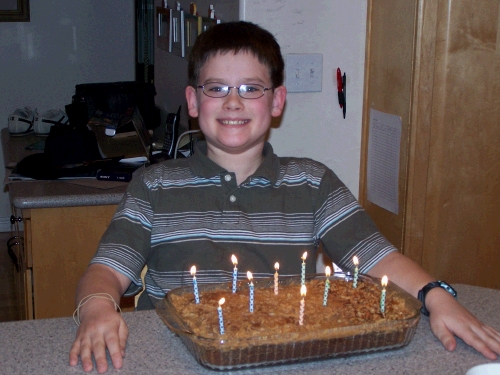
x=246 y=91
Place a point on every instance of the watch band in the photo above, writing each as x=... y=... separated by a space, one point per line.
x=422 y=293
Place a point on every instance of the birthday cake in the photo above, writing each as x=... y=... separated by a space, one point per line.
x=282 y=328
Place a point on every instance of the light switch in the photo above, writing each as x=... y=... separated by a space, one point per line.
x=304 y=72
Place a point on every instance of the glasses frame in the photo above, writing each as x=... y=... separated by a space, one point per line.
x=264 y=89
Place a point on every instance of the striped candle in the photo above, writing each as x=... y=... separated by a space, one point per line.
x=327 y=286
x=235 y=272
x=221 y=319
x=303 y=273
x=195 y=285
x=251 y=290
x=276 y=267
x=385 y=280
x=302 y=304
x=356 y=270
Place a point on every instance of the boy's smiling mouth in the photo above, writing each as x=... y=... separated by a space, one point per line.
x=233 y=122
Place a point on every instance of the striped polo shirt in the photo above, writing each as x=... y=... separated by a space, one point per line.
x=190 y=211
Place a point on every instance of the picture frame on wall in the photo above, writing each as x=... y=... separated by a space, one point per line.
x=192 y=28
x=177 y=30
x=14 y=10
x=164 y=36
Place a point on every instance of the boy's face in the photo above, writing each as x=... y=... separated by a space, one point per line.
x=232 y=124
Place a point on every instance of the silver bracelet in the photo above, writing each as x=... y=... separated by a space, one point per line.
x=84 y=300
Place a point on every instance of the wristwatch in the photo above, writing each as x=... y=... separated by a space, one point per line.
x=434 y=284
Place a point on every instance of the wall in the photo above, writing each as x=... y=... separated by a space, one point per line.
x=312 y=125
x=64 y=44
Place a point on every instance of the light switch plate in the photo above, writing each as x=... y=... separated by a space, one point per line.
x=304 y=72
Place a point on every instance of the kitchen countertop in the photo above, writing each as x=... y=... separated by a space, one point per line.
x=42 y=347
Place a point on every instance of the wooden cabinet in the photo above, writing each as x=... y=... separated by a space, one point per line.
x=62 y=223
x=58 y=245
x=436 y=64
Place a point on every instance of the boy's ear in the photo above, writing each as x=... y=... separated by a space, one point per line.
x=279 y=98
x=192 y=101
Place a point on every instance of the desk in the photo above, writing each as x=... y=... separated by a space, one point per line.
x=63 y=221
x=42 y=347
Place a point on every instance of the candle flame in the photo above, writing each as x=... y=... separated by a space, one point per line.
x=221 y=301
x=355 y=260
x=249 y=275
x=304 y=256
x=327 y=271
x=234 y=260
x=193 y=270
x=276 y=266
x=385 y=280
x=303 y=291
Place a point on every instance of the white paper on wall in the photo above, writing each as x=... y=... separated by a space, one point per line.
x=383 y=160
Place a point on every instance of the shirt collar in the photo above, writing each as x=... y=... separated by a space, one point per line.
x=204 y=167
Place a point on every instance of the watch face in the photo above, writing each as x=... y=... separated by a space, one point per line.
x=448 y=288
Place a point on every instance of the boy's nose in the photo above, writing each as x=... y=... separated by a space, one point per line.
x=233 y=99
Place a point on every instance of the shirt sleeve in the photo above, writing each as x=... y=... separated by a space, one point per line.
x=345 y=228
x=126 y=242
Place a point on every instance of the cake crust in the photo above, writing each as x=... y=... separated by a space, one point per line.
x=276 y=315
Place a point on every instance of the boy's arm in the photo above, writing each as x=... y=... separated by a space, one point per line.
x=447 y=317
x=101 y=326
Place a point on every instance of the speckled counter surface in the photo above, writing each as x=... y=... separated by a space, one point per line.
x=67 y=193
x=42 y=346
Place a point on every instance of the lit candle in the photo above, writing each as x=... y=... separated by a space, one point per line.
x=303 y=274
x=235 y=272
x=385 y=280
x=276 y=267
x=195 y=285
x=327 y=286
x=221 y=319
x=356 y=263
x=251 y=289
x=302 y=304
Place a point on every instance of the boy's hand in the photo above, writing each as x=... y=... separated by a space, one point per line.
x=449 y=319
x=101 y=328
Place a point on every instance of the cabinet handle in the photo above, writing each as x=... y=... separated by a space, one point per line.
x=11 y=252
x=12 y=239
x=13 y=219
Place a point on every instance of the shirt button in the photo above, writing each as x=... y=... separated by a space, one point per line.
x=227 y=177
x=232 y=198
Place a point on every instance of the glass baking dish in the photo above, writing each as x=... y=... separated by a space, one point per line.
x=222 y=352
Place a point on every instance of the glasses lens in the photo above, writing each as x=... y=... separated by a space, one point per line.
x=215 y=90
x=252 y=91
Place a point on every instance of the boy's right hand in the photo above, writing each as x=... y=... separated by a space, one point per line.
x=101 y=328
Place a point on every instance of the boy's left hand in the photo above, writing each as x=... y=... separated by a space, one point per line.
x=449 y=319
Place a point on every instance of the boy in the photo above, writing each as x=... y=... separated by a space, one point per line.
x=234 y=196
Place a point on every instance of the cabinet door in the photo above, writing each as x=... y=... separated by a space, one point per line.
x=461 y=230
x=450 y=176
x=63 y=240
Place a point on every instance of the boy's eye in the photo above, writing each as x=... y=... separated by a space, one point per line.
x=250 y=88
x=216 y=88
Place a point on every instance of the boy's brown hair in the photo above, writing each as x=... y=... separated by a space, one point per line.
x=234 y=37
